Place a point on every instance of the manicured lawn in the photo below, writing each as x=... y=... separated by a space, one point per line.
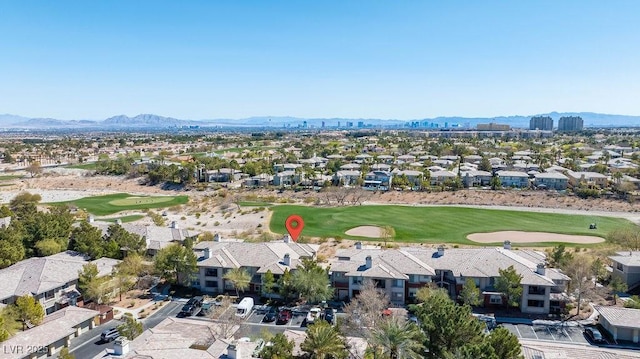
x=437 y=224
x=114 y=203
x=84 y=166
x=124 y=219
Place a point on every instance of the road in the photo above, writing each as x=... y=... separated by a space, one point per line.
x=88 y=345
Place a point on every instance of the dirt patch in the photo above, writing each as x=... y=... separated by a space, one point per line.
x=365 y=231
x=531 y=237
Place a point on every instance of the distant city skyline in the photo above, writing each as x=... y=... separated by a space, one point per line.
x=407 y=60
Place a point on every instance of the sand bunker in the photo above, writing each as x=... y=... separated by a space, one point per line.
x=365 y=231
x=531 y=237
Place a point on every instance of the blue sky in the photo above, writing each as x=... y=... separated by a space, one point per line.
x=358 y=59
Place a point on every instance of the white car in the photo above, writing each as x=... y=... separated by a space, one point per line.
x=314 y=313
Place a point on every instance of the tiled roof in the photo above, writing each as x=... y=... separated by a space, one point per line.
x=627 y=258
x=157 y=237
x=39 y=274
x=620 y=317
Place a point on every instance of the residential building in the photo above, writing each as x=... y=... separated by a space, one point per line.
x=347 y=177
x=438 y=178
x=626 y=266
x=570 y=124
x=587 y=178
x=401 y=272
x=287 y=178
x=217 y=257
x=176 y=338
x=551 y=180
x=51 y=280
x=258 y=181
x=476 y=178
x=493 y=127
x=413 y=177
x=621 y=323
x=543 y=123
x=54 y=333
x=378 y=180
x=224 y=175
x=514 y=179
x=156 y=237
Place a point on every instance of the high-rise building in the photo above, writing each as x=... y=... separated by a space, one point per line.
x=570 y=123
x=543 y=123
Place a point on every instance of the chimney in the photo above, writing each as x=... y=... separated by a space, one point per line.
x=506 y=244
x=91 y=219
x=440 y=251
x=540 y=269
x=287 y=238
x=287 y=260
x=207 y=253
x=121 y=346
x=368 y=262
x=118 y=221
x=358 y=245
x=174 y=225
x=216 y=237
x=233 y=351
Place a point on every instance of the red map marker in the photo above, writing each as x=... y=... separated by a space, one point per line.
x=294 y=225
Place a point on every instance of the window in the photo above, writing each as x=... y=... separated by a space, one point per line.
x=397 y=295
x=398 y=283
x=211 y=272
x=356 y=280
x=414 y=278
x=49 y=295
x=381 y=284
x=620 y=267
x=536 y=290
x=535 y=303
x=495 y=299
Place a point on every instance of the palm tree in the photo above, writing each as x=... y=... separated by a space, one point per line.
x=324 y=342
x=239 y=278
x=398 y=338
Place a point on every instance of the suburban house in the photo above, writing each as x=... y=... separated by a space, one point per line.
x=626 y=266
x=476 y=178
x=287 y=178
x=216 y=258
x=51 y=280
x=258 y=181
x=54 y=333
x=347 y=177
x=438 y=178
x=621 y=323
x=224 y=175
x=401 y=272
x=156 y=237
x=513 y=179
x=378 y=180
x=551 y=180
x=588 y=178
x=414 y=177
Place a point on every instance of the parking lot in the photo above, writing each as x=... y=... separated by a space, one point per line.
x=257 y=316
x=558 y=333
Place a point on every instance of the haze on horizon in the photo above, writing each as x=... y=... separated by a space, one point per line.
x=355 y=59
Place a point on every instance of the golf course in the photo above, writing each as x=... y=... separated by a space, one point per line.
x=444 y=224
x=114 y=203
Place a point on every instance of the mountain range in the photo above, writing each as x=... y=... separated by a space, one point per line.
x=150 y=121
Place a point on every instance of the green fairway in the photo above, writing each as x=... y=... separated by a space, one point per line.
x=9 y=177
x=114 y=203
x=124 y=219
x=438 y=224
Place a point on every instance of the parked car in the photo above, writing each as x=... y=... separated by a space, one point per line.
x=244 y=307
x=205 y=310
x=109 y=335
x=314 y=313
x=271 y=315
x=594 y=335
x=329 y=315
x=284 y=316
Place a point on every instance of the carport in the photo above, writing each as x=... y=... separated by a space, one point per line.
x=621 y=323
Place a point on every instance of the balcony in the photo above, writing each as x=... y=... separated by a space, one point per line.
x=536 y=290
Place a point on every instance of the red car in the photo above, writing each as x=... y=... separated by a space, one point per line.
x=284 y=316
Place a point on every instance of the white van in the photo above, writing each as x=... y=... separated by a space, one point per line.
x=245 y=306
